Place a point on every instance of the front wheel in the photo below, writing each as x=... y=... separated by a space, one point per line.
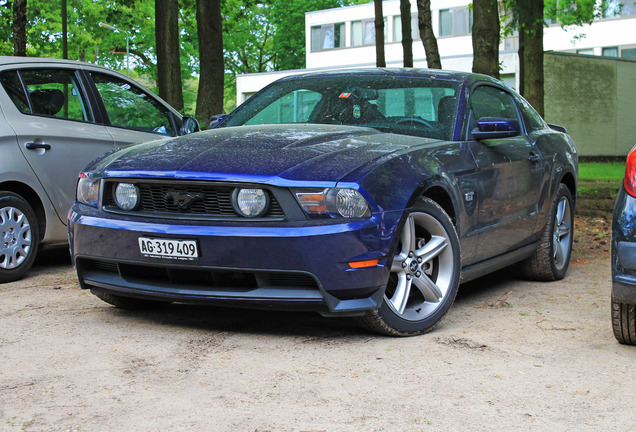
x=19 y=237
x=424 y=274
x=551 y=259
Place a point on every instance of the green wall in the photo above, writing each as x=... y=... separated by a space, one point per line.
x=595 y=99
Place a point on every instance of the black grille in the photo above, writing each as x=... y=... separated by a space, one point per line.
x=202 y=278
x=181 y=199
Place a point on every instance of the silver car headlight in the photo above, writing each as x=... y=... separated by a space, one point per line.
x=88 y=190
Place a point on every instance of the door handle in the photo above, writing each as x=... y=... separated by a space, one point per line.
x=35 y=146
x=534 y=158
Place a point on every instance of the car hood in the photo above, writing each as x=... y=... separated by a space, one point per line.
x=292 y=152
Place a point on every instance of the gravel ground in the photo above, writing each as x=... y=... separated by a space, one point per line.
x=511 y=355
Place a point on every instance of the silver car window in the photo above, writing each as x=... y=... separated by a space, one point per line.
x=130 y=107
x=49 y=92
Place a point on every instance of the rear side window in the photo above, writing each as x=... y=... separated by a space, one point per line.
x=130 y=107
x=47 y=92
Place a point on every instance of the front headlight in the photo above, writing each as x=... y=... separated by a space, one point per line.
x=88 y=190
x=334 y=202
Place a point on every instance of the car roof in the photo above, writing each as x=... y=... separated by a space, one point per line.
x=34 y=61
x=447 y=75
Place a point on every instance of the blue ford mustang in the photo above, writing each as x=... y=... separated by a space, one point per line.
x=369 y=193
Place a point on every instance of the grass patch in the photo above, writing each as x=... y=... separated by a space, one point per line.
x=601 y=171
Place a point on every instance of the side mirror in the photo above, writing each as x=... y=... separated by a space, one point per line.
x=190 y=125
x=495 y=127
x=216 y=120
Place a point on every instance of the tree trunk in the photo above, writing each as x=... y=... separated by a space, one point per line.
x=210 y=96
x=425 y=25
x=64 y=30
x=379 y=34
x=407 y=38
x=168 y=60
x=19 y=27
x=486 y=37
x=531 y=55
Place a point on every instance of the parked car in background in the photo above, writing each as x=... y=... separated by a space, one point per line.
x=624 y=257
x=371 y=193
x=55 y=117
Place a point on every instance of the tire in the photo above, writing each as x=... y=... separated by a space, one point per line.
x=624 y=322
x=19 y=237
x=424 y=274
x=129 y=303
x=551 y=260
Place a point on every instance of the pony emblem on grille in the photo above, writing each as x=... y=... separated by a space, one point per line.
x=183 y=200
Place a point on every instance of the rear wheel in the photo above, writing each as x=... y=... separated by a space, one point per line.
x=123 y=302
x=19 y=237
x=624 y=322
x=551 y=259
x=424 y=274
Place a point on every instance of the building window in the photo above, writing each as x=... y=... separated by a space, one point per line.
x=610 y=52
x=511 y=43
x=616 y=8
x=327 y=36
x=628 y=53
x=397 y=28
x=455 y=22
x=363 y=32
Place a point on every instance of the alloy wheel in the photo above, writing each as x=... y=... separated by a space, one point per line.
x=422 y=271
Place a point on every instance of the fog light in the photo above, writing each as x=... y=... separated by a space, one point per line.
x=126 y=196
x=250 y=202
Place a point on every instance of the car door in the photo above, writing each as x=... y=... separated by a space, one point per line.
x=509 y=176
x=133 y=115
x=55 y=128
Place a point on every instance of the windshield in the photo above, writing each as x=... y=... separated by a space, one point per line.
x=404 y=105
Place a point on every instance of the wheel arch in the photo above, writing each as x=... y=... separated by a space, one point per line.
x=442 y=197
x=32 y=198
x=569 y=181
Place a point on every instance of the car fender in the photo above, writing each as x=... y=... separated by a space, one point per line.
x=395 y=186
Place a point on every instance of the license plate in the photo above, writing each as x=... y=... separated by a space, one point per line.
x=168 y=248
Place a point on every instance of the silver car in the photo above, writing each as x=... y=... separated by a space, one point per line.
x=55 y=117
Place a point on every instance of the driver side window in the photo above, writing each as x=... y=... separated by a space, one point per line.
x=489 y=101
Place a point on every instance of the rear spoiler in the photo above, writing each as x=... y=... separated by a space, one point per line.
x=557 y=128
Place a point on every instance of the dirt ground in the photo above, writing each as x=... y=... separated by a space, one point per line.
x=511 y=355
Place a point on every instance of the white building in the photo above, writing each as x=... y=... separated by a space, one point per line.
x=345 y=37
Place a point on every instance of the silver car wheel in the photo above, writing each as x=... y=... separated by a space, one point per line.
x=16 y=238
x=422 y=272
x=562 y=231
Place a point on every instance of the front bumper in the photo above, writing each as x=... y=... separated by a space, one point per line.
x=301 y=267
